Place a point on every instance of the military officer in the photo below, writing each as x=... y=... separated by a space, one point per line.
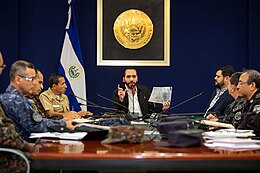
x=19 y=109
x=9 y=138
x=249 y=88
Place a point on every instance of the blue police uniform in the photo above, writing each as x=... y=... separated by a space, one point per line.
x=19 y=109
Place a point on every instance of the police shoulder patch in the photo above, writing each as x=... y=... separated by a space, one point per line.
x=256 y=109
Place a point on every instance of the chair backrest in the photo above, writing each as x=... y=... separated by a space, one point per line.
x=19 y=153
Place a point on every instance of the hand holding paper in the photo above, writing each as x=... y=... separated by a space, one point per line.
x=161 y=95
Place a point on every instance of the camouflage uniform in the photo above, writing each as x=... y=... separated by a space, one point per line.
x=19 y=109
x=251 y=114
x=37 y=105
x=9 y=138
x=234 y=111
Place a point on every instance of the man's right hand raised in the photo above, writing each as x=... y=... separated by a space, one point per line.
x=121 y=93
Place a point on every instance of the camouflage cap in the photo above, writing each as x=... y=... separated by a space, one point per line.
x=124 y=133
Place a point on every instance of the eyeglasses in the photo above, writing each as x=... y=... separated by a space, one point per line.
x=242 y=83
x=3 y=66
x=27 y=78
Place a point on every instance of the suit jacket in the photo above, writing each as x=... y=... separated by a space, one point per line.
x=143 y=94
x=222 y=103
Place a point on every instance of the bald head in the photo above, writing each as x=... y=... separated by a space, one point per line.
x=38 y=83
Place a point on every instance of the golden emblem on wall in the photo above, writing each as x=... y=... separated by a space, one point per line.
x=133 y=29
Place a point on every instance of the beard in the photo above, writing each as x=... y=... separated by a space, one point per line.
x=219 y=84
x=131 y=85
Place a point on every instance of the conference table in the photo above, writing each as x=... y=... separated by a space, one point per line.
x=92 y=155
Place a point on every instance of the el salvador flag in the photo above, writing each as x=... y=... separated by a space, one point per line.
x=71 y=62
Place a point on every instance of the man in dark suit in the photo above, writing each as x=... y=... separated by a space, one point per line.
x=220 y=98
x=133 y=98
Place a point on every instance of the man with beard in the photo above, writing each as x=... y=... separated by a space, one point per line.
x=133 y=97
x=234 y=110
x=220 y=98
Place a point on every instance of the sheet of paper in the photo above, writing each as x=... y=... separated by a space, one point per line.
x=216 y=124
x=94 y=126
x=232 y=146
x=161 y=94
x=71 y=136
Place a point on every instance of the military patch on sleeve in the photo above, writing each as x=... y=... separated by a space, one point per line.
x=256 y=109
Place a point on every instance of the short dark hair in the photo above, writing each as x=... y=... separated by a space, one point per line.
x=234 y=79
x=129 y=68
x=226 y=70
x=253 y=76
x=54 y=79
x=19 y=68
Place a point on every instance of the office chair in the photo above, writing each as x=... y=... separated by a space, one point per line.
x=19 y=153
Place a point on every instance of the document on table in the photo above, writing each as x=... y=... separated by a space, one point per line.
x=228 y=133
x=231 y=139
x=216 y=124
x=94 y=126
x=161 y=94
x=71 y=136
x=234 y=143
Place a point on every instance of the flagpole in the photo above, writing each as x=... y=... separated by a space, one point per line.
x=71 y=62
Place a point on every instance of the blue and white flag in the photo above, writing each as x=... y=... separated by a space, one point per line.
x=71 y=62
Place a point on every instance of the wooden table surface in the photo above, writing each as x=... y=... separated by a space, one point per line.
x=147 y=156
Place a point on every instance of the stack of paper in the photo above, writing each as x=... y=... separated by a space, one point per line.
x=228 y=133
x=231 y=139
x=71 y=136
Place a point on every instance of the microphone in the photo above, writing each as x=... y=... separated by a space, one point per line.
x=176 y=117
x=73 y=95
x=185 y=101
x=158 y=116
x=128 y=115
x=94 y=105
x=110 y=100
x=192 y=114
x=91 y=104
x=133 y=100
x=97 y=106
